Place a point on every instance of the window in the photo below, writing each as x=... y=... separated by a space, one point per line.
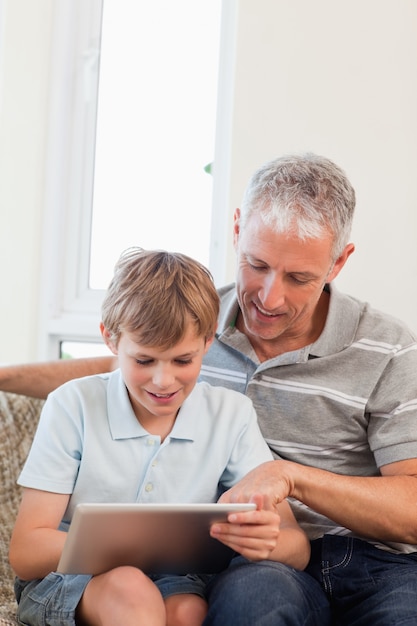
x=133 y=115
x=155 y=129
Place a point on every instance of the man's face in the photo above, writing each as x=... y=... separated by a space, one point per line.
x=280 y=280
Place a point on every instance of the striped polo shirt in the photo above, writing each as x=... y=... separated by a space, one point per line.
x=346 y=403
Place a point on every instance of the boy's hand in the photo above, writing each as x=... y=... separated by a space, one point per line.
x=254 y=534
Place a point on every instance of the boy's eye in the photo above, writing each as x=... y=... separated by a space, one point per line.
x=145 y=362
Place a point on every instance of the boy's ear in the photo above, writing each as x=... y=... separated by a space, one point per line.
x=107 y=339
x=208 y=343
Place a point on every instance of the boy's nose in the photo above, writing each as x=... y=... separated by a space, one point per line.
x=163 y=377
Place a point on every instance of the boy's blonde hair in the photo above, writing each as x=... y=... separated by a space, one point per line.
x=155 y=294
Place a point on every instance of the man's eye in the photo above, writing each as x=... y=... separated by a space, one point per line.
x=300 y=281
x=143 y=361
x=183 y=361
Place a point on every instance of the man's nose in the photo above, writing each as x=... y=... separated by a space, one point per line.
x=272 y=293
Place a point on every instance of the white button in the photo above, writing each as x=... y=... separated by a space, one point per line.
x=151 y=442
x=149 y=487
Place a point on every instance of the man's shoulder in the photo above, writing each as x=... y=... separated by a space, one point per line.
x=381 y=324
x=220 y=394
x=227 y=291
x=228 y=307
x=348 y=310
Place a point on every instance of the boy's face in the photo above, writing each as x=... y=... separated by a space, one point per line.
x=158 y=381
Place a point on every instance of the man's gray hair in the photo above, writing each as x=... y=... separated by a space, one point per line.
x=303 y=194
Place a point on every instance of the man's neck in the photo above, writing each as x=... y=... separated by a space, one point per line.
x=268 y=349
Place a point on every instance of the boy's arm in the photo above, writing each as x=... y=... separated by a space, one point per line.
x=36 y=544
x=39 y=379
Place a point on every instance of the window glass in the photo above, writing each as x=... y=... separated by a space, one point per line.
x=155 y=130
x=82 y=349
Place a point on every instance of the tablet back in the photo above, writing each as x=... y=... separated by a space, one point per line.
x=157 y=538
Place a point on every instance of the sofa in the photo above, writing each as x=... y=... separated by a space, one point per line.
x=19 y=417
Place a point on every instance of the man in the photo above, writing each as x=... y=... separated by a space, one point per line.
x=335 y=388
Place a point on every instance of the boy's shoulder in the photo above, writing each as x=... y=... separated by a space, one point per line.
x=84 y=386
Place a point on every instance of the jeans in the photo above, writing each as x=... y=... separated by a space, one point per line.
x=265 y=593
x=348 y=582
x=366 y=586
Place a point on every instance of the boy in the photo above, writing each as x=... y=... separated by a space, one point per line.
x=147 y=432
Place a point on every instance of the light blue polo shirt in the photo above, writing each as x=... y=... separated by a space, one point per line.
x=90 y=444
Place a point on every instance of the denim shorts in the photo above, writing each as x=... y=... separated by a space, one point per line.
x=171 y=584
x=52 y=601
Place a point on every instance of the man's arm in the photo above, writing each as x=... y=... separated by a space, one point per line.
x=39 y=379
x=382 y=508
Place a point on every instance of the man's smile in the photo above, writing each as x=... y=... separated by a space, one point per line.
x=266 y=313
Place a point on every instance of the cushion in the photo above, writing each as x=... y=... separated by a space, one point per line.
x=19 y=417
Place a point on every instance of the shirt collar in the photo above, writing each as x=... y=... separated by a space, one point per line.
x=341 y=324
x=122 y=419
x=124 y=424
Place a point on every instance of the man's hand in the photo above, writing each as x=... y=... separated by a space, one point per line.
x=268 y=479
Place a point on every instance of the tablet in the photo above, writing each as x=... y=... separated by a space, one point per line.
x=157 y=538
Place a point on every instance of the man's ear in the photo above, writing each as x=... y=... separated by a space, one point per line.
x=108 y=339
x=236 y=226
x=349 y=249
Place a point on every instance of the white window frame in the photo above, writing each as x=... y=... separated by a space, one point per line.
x=69 y=308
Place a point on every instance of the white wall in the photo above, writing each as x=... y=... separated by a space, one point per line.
x=337 y=78
x=24 y=67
